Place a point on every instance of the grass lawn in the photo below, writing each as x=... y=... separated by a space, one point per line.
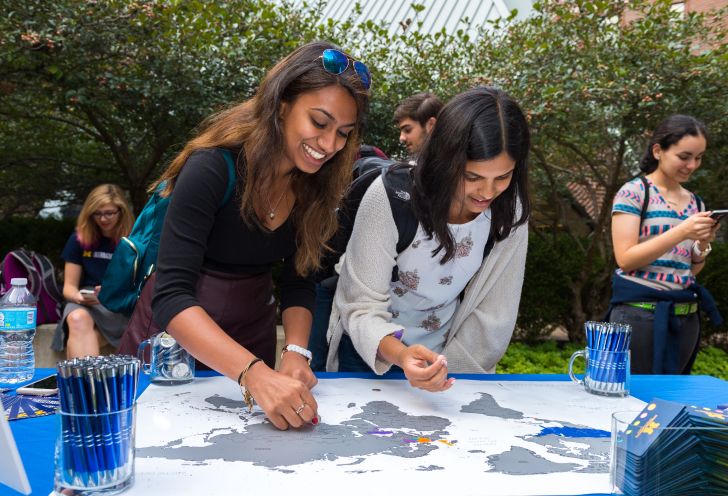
x=549 y=358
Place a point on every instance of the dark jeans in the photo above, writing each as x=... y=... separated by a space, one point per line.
x=350 y=361
x=317 y=340
x=641 y=348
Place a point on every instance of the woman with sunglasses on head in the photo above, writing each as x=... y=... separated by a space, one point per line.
x=105 y=217
x=447 y=302
x=661 y=235
x=293 y=145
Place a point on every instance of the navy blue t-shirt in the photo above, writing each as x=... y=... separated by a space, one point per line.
x=93 y=262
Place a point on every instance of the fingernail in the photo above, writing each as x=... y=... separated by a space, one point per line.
x=315 y=420
x=444 y=363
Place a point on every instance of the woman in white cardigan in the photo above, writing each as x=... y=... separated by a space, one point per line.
x=449 y=305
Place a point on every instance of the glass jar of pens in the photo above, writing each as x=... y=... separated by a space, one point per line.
x=607 y=359
x=95 y=444
x=169 y=363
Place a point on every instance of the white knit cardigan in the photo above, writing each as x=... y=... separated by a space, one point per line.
x=482 y=325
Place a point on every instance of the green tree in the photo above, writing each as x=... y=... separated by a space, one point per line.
x=117 y=86
x=593 y=86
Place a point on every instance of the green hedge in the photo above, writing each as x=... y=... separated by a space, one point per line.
x=546 y=295
x=550 y=265
x=551 y=358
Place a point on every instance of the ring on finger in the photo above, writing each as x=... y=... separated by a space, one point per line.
x=300 y=408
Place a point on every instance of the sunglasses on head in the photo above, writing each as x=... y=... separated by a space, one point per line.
x=337 y=62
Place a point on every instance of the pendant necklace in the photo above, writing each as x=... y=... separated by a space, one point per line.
x=273 y=208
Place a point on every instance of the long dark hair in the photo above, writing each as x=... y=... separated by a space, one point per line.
x=478 y=124
x=669 y=132
x=256 y=126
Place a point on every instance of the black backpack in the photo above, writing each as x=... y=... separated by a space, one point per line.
x=397 y=178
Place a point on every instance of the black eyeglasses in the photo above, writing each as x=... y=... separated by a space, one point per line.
x=108 y=214
x=337 y=62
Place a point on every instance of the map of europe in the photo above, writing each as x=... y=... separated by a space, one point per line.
x=531 y=438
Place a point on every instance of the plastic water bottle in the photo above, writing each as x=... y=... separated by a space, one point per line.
x=17 y=328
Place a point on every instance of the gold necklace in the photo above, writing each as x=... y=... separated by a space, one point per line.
x=272 y=208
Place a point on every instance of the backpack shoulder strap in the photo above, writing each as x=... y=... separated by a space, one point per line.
x=699 y=201
x=25 y=258
x=398 y=184
x=645 y=200
x=48 y=276
x=230 y=161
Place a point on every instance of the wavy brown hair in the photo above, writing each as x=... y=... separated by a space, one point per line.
x=256 y=127
x=87 y=231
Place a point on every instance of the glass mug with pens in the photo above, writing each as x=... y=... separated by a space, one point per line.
x=607 y=359
x=96 y=425
x=169 y=363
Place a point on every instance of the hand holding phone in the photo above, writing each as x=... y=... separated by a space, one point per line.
x=89 y=296
x=717 y=215
x=47 y=386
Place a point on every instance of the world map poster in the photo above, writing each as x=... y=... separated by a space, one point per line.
x=379 y=437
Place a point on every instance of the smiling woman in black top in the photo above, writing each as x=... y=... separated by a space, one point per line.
x=294 y=143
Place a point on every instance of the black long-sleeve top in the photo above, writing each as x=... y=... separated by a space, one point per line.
x=198 y=232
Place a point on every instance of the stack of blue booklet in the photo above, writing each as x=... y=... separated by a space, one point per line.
x=673 y=449
x=20 y=406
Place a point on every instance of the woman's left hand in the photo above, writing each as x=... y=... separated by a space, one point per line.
x=296 y=366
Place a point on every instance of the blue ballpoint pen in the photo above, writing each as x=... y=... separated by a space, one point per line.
x=78 y=468
x=94 y=396
x=87 y=439
x=112 y=381
x=108 y=436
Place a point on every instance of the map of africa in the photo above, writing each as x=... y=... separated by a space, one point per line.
x=520 y=437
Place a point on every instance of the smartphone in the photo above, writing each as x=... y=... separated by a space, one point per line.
x=89 y=295
x=718 y=214
x=47 y=386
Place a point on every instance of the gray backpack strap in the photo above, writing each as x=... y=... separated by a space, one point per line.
x=48 y=276
x=25 y=258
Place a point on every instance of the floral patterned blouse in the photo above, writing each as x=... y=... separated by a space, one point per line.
x=425 y=298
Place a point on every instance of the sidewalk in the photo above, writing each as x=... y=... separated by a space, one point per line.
x=47 y=358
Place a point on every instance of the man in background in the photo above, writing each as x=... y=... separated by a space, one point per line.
x=415 y=117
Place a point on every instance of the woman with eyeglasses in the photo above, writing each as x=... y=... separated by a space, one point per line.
x=105 y=217
x=293 y=144
x=448 y=302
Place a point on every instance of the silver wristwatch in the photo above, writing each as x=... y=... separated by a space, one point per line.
x=701 y=253
x=297 y=349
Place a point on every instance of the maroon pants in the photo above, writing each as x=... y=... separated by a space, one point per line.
x=242 y=305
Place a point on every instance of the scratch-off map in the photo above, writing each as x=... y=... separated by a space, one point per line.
x=379 y=436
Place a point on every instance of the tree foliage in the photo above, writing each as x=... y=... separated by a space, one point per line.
x=117 y=86
x=594 y=86
x=96 y=91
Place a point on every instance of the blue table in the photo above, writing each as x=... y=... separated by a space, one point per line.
x=36 y=437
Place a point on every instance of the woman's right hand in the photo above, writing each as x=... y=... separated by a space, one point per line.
x=414 y=361
x=697 y=226
x=287 y=402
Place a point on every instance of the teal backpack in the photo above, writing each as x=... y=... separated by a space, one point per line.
x=135 y=257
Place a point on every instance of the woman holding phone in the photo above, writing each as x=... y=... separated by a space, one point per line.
x=105 y=217
x=660 y=252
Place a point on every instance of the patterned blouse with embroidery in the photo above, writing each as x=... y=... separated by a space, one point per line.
x=672 y=270
x=425 y=298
